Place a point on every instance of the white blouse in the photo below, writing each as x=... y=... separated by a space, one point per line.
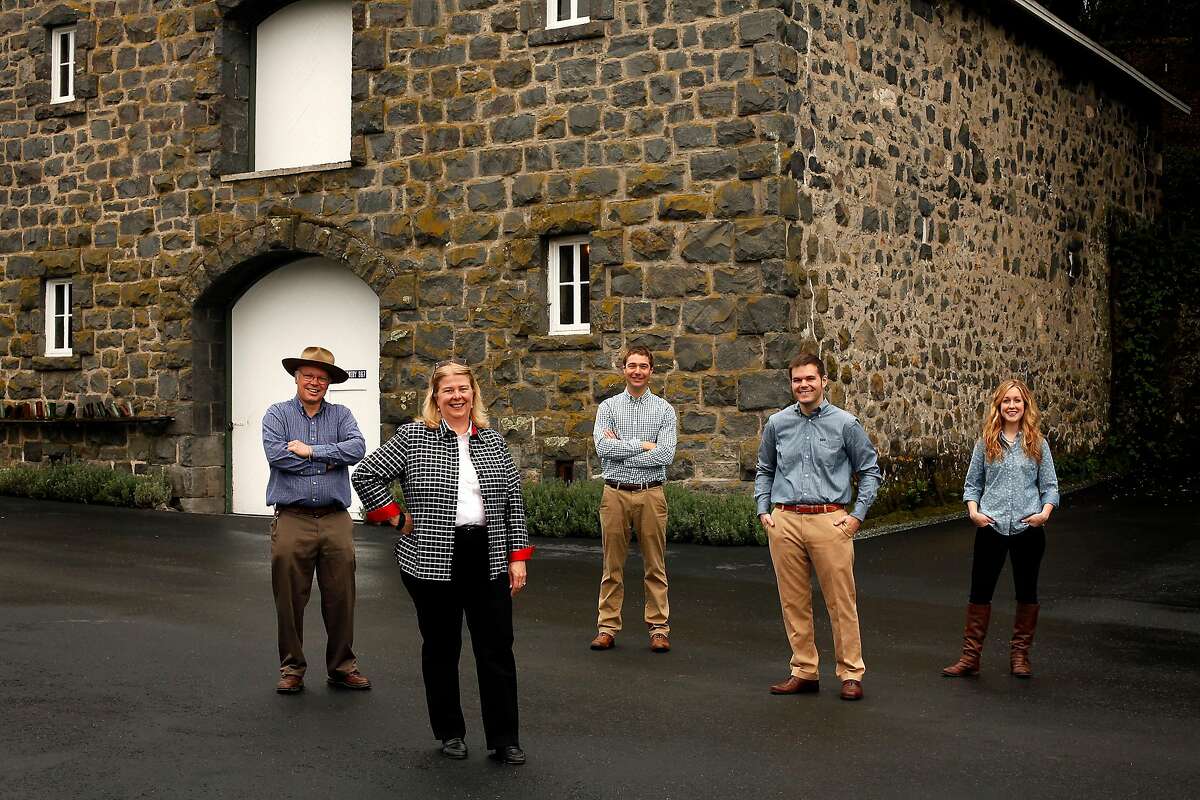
x=470 y=498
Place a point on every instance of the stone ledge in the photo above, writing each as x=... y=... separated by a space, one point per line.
x=588 y=30
x=48 y=363
x=560 y=342
x=275 y=173
x=67 y=108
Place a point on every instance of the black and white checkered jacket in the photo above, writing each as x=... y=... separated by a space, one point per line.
x=425 y=461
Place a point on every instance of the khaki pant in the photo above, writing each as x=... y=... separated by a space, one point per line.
x=646 y=511
x=300 y=545
x=801 y=544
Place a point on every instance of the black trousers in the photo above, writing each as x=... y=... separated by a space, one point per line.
x=1025 y=548
x=488 y=609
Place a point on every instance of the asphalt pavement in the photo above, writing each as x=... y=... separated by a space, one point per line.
x=137 y=660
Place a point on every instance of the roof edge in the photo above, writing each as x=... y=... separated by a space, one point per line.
x=1078 y=37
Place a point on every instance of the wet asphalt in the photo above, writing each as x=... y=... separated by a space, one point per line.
x=137 y=660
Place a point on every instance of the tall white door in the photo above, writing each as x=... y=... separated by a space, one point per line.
x=309 y=302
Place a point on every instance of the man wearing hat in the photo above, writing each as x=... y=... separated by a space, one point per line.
x=310 y=445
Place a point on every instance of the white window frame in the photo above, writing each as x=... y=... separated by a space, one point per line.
x=56 y=313
x=552 y=20
x=58 y=60
x=580 y=283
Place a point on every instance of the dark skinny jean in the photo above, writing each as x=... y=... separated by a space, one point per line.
x=1026 y=549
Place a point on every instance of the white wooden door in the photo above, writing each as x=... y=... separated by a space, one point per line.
x=309 y=302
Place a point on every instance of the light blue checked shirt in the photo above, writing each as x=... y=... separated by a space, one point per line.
x=323 y=478
x=809 y=458
x=648 y=418
x=1013 y=486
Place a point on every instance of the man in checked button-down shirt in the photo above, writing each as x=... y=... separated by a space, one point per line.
x=809 y=452
x=635 y=435
x=310 y=445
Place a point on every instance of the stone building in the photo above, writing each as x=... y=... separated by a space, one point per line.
x=191 y=191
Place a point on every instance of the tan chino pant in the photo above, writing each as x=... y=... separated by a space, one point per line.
x=645 y=511
x=800 y=545
x=301 y=545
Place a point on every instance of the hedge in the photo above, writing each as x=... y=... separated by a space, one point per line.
x=85 y=483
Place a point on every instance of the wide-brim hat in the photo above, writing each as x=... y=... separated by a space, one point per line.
x=316 y=357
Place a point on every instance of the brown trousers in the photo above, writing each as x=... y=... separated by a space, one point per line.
x=647 y=512
x=300 y=545
x=800 y=545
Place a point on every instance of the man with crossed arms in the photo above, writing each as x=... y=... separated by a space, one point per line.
x=635 y=436
x=802 y=487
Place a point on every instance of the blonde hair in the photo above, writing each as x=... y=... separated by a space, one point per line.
x=1031 y=435
x=429 y=412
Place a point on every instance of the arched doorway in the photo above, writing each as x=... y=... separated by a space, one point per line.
x=311 y=301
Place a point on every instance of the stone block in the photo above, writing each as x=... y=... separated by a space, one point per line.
x=764 y=390
x=608 y=247
x=761 y=95
x=693 y=353
x=684 y=206
x=710 y=315
x=761 y=26
x=668 y=281
x=714 y=166
x=652 y=244
x=759 y=239
x=648 y=180
x=734 y=199
x=708 y=242
x=765 y=314
x=565 y=218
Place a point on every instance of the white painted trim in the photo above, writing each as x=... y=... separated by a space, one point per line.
x=1057 y=24
x=55 y=313
x=58 y=60
x=553 y=284
x=552 y=20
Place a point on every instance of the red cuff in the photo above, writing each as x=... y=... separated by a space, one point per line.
x=523 y=554
x=383 y=514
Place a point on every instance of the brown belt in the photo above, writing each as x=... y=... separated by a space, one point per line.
x=311 y=511
x=827 y=508
x=633 y=487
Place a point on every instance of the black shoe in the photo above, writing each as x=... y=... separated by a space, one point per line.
x=509 y=755
x=454 y=748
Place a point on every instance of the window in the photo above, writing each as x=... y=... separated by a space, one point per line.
x=58 y=317
x=62 y=64
x=565 y=13
x=569 y=284
x=302 y=85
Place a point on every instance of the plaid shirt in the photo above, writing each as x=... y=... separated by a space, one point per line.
x=425 y=461
x=648 y=418
x=324 y=477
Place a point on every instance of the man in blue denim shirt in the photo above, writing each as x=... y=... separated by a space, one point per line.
x=310 y=445
x=802 y=486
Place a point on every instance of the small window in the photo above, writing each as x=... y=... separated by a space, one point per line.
x=62 y=64
x=569 y=284
x=565 y=13
x=58 y=317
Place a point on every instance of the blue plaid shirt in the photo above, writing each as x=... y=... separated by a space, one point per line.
x=323 y=478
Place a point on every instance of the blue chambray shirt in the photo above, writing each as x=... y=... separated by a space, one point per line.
x=808 y=460
x=1013 y=486
x=324 y=478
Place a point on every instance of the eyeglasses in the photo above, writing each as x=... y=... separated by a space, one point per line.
x=318 y=379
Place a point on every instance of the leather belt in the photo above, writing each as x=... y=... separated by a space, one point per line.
x=827 y=508
x=311 y=511
x=467 y=530
x=633 y=487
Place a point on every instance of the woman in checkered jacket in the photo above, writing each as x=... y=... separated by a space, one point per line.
x=462 y=550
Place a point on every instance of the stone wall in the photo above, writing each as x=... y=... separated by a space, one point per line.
x=896 y=183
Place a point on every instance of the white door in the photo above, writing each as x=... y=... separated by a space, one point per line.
x=310 y=302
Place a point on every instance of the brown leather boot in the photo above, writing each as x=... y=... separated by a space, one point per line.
x=978 y=616
x=1023 y=627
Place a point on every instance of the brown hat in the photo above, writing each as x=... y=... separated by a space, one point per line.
x=316 y=357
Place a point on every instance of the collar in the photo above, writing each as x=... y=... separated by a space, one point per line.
x=446 y=432
x=645 y=395
x=820 y=410
x=300 y=406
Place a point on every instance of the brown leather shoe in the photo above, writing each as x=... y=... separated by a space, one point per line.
x=290 y=684
x=1024 y=627
x=659 y=643
x=795 y=685
x=974 y=633
x=603 y=641
x=852 y=690
x=349 y=680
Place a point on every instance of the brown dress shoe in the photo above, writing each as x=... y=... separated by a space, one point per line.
x=852 y=690
x=350 y=680
x=290 y=684
x=603 y=641
x=659 y=643
x=795 y=685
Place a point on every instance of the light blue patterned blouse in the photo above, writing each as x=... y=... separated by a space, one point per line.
x=1013 y=486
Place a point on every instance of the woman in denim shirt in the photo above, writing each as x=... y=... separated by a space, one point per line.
x=1010 y=491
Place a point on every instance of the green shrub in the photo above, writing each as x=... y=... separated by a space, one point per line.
x=84 y=483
